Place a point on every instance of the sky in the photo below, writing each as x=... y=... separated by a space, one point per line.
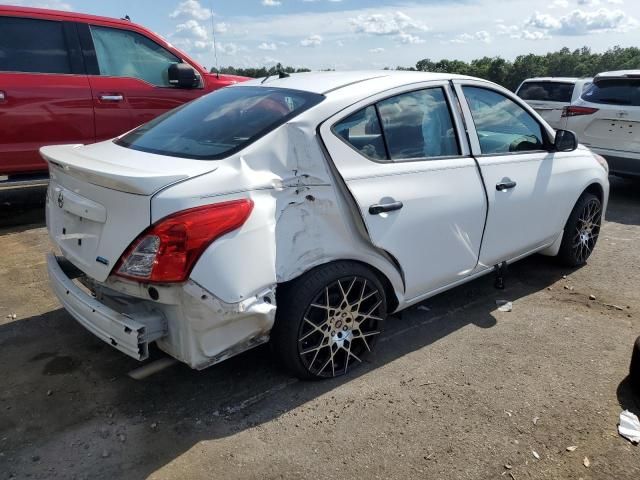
x=358 y=34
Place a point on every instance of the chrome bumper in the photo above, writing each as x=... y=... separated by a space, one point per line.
x=129 y=333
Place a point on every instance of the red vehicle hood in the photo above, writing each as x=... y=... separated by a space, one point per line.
x=227 y=79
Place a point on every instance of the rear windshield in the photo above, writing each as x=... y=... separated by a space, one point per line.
x=549 y=91
x=220 y=123
x=620 y=91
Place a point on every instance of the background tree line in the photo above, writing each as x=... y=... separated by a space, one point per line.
x=563 y=63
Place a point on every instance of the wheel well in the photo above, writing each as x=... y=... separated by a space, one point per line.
x=595 y=189
x=392 y=299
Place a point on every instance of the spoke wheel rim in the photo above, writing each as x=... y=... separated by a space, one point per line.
x=340 y=325
x=586 y=231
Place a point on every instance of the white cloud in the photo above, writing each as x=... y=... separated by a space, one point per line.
x=559 y=4
x=408 y=38
x=533 y=35
x=482 y=36
x=311 y=41
x=517 y=32
x=543 y=21
x=376 y=50
x=268 y=46
x=580 y=22
x=191 y=8
x=385 y=24
x=271 y=3
x=221 y=27
x=191 y=28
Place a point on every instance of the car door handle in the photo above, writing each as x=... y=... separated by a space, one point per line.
x=3 y=96
x=115 y=97
x=378 y=208
x=505 y=185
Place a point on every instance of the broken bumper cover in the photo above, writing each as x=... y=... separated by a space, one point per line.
x=129 y=335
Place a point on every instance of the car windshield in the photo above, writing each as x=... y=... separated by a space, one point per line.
x=619 y=91
x=547 y=91
x=219 y=123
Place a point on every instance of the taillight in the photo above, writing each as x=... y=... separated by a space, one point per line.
x=575 y=111
x=167 y=251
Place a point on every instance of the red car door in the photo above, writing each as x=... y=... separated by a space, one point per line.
x=129 y=78
x=45 y=96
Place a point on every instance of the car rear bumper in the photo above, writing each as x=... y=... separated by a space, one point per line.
x=129 y=334
x=621 y=162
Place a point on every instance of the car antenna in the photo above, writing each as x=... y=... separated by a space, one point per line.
x=280 y=73
x=126 y=17
x=213 y=35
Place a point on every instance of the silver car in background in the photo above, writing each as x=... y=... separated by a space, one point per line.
x=550 y=95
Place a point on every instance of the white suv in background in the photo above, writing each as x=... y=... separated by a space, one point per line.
x=606 y=118
x=549 y=95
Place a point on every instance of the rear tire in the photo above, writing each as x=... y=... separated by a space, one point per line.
x=581 y=231
x=328 y=320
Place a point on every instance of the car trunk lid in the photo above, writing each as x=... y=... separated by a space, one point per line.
x=99 y=199
x=613 y=127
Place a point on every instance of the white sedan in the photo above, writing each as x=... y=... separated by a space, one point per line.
x=303 y=209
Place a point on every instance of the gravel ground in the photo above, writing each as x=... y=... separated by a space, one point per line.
x=456 y=388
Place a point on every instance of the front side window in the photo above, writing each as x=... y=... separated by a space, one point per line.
x=410 y=126
x=547 y=91
x=220 y=123
x=122 y=53
x=34 y=46
x=502 y=125
x=619 y=91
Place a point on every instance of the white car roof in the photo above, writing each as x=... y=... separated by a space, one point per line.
x=557 y=79
x=619 y=74
x=325 y=82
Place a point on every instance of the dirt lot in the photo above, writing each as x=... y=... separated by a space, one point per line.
x=455 y=390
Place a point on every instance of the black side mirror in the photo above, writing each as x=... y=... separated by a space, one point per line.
x=182 y=75
x=566 y=141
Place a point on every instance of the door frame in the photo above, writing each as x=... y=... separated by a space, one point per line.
x=508 y=157
x=358 y=167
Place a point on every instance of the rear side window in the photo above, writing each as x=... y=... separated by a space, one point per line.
x=614 y=92
x=547 y=91
x=410 y=126
x=362 y=131
x=33 y=46
x=418 y=125
x=122 y=53
x=220 y=123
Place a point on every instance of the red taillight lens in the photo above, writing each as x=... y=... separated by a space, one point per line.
x=574 y=111
x=167 y=251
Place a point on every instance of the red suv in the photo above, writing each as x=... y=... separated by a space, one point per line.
x=73 y=78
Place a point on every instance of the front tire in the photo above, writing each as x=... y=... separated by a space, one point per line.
x=328 y=320
x=581 y=231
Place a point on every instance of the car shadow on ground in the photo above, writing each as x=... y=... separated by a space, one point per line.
x=64 y=379
x=21 y=208
x=629 y=395
x=624 y=201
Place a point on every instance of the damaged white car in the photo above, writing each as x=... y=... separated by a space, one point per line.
x=303 y=209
